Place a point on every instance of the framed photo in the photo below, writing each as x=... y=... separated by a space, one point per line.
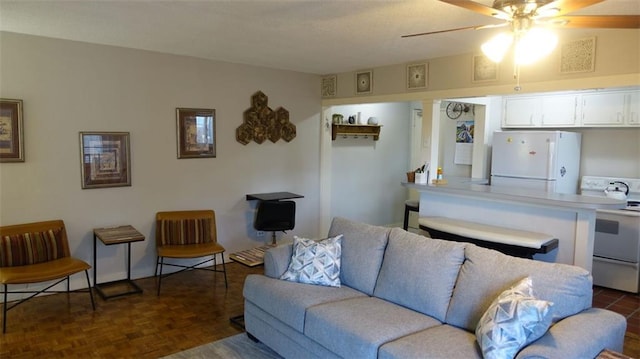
x=196 y=135
x=417 y=76
x=329 y=86
x=364 y=82
x=578 y=56
x=484 y=69
x=105 y=159
x=11 y=132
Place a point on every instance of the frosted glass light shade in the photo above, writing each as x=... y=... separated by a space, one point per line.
x=534 y=45
x=530 y=46
x=497 y=47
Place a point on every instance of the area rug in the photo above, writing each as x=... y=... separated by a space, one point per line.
x=238 y=346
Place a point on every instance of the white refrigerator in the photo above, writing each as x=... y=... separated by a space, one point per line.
x=540 y=160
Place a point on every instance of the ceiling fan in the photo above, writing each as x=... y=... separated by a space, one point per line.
x=521 y=15
x=529 y=21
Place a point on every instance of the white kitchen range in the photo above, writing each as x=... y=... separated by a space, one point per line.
x=616 y=252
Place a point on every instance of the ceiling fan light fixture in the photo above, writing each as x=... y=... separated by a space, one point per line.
x=534 y=45
x=497 y=47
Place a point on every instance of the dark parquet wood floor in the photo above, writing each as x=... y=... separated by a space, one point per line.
x=193 y=309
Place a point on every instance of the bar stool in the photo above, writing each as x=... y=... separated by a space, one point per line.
x=410 y=205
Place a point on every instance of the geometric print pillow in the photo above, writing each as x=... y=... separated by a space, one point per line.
x=315 y=262
x=513 y=320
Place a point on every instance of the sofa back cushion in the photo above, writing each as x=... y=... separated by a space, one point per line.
x=363 y=248
x=487 y=273
x=419 y=272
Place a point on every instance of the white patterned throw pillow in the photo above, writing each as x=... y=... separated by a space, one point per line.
x=315 y=262
x=514 y=319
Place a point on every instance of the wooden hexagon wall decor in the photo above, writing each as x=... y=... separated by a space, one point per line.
x=261 y=123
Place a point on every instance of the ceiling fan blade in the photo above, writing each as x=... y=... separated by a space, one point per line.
x=479 y=8
x=597 y=21
x=561 y=7
x=478 y=27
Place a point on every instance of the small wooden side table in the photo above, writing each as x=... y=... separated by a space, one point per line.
x=110 y=236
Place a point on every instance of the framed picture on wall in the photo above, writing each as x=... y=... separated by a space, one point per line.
x=484 y=69
x=364 y=82
x=196 y=135
x=417 y=76
x=105 y=160
x=11 y=133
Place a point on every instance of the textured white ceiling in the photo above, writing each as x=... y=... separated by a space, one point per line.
x=313 y=36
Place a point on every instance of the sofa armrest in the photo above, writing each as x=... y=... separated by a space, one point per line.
x=276 y=260
x=583 y=335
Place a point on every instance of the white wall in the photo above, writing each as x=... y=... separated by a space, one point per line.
x=68 y=87
x=366 y=174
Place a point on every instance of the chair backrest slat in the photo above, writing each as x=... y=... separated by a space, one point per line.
x=33 y=243
x=185 y=227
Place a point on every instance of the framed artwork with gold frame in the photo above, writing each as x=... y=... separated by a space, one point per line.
x=11 y=131
x=105 y=159
x=195 y=133
x=364 y=82
x=417 y=76
x=484 y=69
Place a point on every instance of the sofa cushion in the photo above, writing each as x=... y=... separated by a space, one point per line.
x=31 y=248
x=487 y=273
x=363 y=247
x=513 y=320
x=288 y=301
x=357 y=327
x=442 y=341
x=315 y=262
x=419 y=272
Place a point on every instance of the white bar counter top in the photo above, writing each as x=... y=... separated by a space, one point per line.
x=480 y=188
x=568 y=217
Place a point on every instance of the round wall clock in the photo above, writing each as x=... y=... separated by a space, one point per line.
x=454 y=110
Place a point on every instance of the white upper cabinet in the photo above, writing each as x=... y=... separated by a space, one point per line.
x=633 y=100
x=559 y=111
x=540 y=111
x=606 y=108
x=521 y=112
x=603 y=109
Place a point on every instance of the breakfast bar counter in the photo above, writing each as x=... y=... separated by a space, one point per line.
x=568 y=217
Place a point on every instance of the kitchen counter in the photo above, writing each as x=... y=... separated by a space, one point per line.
x=481 y=189
x=570 y=218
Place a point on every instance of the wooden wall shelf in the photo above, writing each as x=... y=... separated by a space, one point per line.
x=358 y=130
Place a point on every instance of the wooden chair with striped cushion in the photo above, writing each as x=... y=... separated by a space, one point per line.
x=33 y=253
x=187 y=235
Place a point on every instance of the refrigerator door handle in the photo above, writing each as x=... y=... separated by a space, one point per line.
x=550 y=158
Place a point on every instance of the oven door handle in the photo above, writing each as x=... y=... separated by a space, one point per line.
x=619 y=262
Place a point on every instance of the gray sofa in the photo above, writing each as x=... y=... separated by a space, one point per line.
x=407 y=296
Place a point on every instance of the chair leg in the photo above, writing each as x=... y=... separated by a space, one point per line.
x=4 y=312
x=155 y=273
x=224 y=271
x=93 y=303
x=406 y=218
x=160 y=275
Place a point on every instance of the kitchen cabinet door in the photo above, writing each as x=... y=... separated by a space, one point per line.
x=559 y=111
x=521 y=112
x=603 y=109
x=633 y=101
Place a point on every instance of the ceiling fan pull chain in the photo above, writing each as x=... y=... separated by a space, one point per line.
x=516 y=76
